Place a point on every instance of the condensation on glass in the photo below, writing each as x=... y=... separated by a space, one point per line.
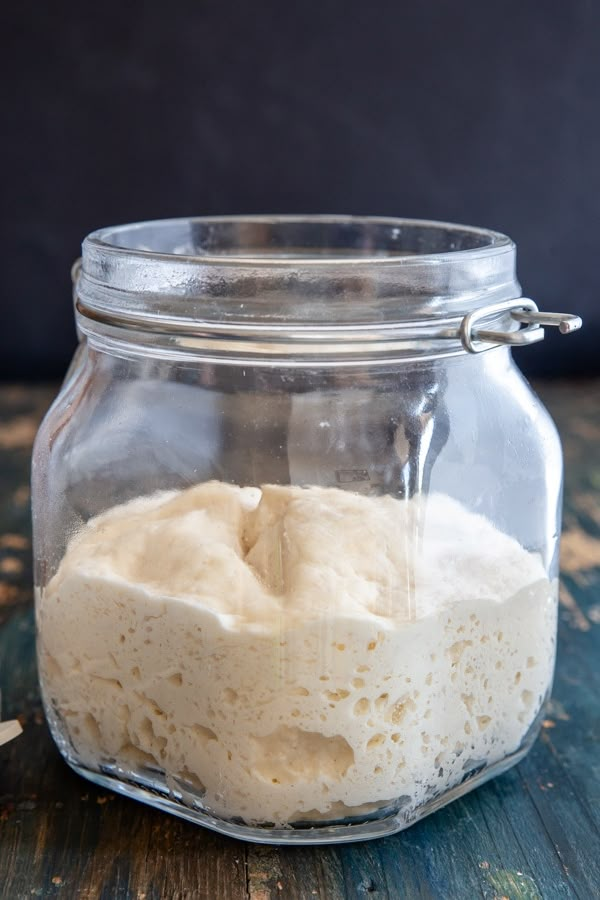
x=295 y=518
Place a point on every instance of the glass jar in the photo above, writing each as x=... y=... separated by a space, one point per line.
x=296 y=515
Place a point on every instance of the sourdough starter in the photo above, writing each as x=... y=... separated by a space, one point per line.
x=296 y=653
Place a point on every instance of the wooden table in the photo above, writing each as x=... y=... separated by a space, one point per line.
x=534 y=832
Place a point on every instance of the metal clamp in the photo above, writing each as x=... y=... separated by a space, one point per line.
x=474 y=339
x=522 y=310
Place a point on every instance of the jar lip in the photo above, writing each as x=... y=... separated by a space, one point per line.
x=304 y=280
x=485 y=242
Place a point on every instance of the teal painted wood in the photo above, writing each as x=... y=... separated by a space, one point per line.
x=531 y=833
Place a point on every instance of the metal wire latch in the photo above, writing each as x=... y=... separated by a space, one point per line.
x=473 y=337
x=523 y=310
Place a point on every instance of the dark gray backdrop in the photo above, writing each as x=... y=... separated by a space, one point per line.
x=482 y=113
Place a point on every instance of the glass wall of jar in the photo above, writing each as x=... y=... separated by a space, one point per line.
x=296 y=544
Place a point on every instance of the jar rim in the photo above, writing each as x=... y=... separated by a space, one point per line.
x=465 y=241
x=313 y=284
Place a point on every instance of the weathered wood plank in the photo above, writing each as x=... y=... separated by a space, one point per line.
x=532 y=833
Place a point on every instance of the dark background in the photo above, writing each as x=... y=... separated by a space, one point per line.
x=481 y=113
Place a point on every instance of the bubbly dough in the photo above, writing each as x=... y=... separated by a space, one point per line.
x=296 y=653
